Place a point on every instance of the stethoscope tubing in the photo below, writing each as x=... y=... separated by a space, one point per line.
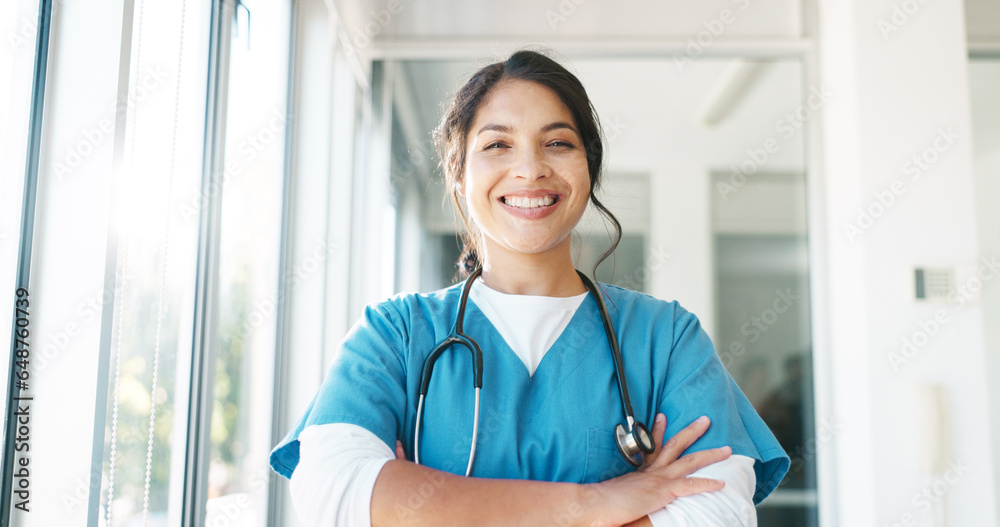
x=616 y=353
x=458 y=336
x=475 y=433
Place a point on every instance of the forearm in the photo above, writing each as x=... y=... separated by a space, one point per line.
x=409 y=494
x=346 y=475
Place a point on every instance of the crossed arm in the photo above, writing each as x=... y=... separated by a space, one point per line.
x=404 y=493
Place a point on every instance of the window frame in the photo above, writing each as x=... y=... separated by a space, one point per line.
x=25 y=244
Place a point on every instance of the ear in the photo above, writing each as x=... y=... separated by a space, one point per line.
x=460 y=187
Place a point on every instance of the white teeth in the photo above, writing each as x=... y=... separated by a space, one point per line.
x=528 y=203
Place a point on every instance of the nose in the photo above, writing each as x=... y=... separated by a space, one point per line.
x=531 y=164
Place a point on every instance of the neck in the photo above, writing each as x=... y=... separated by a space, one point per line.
x=549 y=273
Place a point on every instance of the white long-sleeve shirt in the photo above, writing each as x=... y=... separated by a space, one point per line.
x=339 y=463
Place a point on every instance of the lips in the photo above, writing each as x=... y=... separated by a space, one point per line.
x=531 y=204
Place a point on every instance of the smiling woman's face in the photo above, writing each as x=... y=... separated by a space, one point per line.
x=526 y=180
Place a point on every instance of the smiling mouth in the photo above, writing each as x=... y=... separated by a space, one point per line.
x=529 y=203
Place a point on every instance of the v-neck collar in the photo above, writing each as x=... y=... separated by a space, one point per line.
x=530 y=325
x=577 y=341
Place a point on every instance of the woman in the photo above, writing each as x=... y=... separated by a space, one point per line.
x=522 y=154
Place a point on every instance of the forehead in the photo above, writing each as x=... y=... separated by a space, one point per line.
x=514 y=101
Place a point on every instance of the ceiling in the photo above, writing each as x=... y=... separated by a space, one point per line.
x=551 y=20
x=548 y=19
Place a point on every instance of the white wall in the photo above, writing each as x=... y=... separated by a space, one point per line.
x=984 y=77
x=892 y=96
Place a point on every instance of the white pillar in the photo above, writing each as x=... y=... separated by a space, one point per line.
x=898 y=192
x=682 y=228
x=986 y=126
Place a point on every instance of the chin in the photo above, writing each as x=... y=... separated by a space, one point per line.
x=534 y=248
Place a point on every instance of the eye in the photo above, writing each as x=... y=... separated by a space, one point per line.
x=562 y=144
x=495 y=145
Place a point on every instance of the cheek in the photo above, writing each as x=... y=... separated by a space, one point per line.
x=574 y=167
x=473 y=197
x=480 y=177
x=581 y=176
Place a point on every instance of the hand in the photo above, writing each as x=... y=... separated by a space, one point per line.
x=400 y=453
x=661 y=479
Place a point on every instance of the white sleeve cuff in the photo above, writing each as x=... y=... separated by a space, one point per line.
x=732 y=506
x=338 y=464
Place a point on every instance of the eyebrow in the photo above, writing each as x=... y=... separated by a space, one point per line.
x=559 y=125
x=504 y=129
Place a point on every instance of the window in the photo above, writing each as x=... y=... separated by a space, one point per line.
x=161 y=255
x=155 y=225
x=171 y=237
x=249 y=249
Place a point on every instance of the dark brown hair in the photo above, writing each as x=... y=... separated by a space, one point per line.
x=452 y=133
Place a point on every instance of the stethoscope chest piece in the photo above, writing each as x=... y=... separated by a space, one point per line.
x=631 y=442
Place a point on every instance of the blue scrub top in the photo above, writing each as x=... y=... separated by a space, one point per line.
x=556 y=425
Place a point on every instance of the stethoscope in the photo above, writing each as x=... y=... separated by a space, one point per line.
x=631 y=438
